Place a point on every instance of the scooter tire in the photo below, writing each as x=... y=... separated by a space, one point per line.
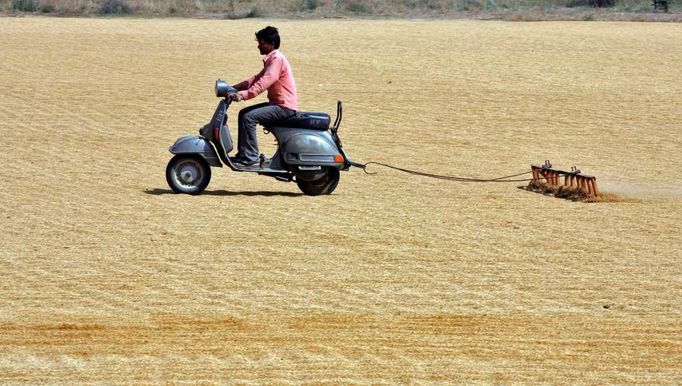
x=193 y=183
x=324 y=185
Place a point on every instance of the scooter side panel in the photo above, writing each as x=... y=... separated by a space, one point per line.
x=307 y=147
x=194 y=144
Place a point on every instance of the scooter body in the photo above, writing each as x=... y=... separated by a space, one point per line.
x=308 y=151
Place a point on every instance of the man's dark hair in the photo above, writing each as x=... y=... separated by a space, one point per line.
x=269 y=35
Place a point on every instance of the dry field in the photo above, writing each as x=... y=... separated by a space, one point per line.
x=107 y=276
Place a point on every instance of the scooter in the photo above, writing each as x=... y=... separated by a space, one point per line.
x=309 y=152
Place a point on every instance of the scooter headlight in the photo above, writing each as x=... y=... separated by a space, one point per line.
x=222 y=89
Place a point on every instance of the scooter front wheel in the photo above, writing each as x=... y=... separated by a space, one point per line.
x=188 y=174
x=323 y=185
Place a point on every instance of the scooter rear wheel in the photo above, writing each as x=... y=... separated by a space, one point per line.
x=324 y=185
x=188 y=174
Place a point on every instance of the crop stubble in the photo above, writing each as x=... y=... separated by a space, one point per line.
x=106 y=275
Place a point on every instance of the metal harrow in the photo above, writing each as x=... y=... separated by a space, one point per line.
x=574 y=178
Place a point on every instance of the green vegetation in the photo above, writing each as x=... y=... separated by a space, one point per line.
x=114 y=7
x=359 y=7
x=25 y=5
x=236 y=9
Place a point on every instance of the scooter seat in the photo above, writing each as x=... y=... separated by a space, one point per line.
x=306 y=120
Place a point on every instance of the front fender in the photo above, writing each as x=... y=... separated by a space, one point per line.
x=194 y=144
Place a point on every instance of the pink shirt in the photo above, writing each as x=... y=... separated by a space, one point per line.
x=277 y=78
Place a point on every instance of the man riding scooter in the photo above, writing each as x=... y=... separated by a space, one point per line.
x=309 y=150
x=276 y=77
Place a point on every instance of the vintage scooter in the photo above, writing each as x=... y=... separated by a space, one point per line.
x=308 y=151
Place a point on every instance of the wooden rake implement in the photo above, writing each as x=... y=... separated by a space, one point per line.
x=574 y=178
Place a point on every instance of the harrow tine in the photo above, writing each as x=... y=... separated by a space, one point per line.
x=594 y=186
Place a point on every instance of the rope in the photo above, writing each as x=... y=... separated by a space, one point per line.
x=443 y=177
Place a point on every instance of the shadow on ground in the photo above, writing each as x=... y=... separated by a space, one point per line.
x=159 y=192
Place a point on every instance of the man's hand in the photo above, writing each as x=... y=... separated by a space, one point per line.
x=237 y=97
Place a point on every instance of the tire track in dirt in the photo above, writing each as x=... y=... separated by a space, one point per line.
x=327 y=346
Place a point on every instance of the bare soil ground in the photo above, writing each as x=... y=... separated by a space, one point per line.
x=108 y=276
